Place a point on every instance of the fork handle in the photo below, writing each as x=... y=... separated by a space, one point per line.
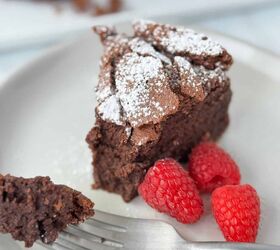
x=229 y=246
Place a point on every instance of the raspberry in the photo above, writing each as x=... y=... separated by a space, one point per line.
x=236 y=209
x=168 y=188
x=211 y=167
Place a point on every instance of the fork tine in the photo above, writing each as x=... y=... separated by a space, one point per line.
x=90 y=236
x=61 y=241
x=104 y=231
x=77 y=232
x=101 y=224
x=84 y=243
x=56 y=246
x=103 y=234
x=53 y=246
x=111 y=219
x=73 y=243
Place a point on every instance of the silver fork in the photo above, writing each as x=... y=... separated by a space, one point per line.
x=111 y=232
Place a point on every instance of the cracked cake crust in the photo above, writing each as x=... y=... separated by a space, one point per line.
x=156 y=98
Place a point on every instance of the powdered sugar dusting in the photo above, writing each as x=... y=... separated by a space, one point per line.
x=103 y=93
x=198 y=75
x=205 y=74
x=182 y=63
x=186 y=40
x=136 y=72
x=139 y=81
x=186 y=68
x=191 y=84
x=113 y=45
x=128 y=131
x=110 y=109
x=142 y=25
x=177 y=39
x=143 y=48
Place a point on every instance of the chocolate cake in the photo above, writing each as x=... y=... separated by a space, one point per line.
x=160 y=91
x=32 y=209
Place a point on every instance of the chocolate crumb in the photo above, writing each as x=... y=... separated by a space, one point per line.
x=36 y=208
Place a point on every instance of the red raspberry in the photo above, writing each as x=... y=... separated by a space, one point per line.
x=211 y=167
x=236 y=209
x=168 y=188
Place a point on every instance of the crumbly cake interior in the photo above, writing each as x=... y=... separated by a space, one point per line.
x=35 y=208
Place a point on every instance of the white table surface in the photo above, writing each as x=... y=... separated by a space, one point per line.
x=256 y=25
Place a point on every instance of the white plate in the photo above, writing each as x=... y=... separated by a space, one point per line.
x=47 y=109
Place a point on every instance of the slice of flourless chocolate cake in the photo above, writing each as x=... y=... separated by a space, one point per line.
x=159 y=93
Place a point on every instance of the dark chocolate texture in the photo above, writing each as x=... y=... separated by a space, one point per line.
x=35 y=208
x=160 y=92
